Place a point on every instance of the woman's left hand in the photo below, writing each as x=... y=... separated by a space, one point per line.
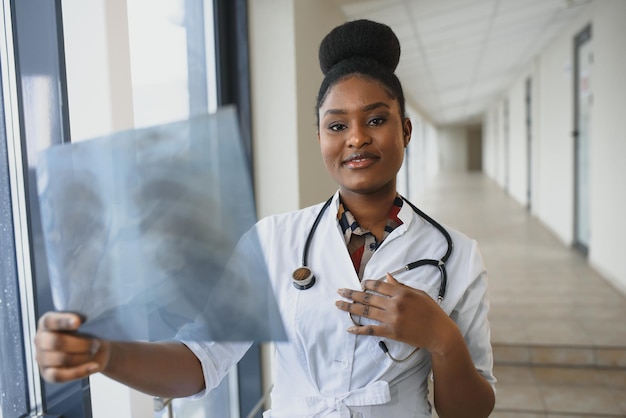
x=405 y=314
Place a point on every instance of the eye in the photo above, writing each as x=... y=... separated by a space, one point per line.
x=336 y=127
x=376 y=121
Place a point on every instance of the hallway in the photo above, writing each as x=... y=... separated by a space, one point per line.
x=557 y=326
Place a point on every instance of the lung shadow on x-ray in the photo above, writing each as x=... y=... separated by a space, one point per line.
x=181 y=234
x=80 y=235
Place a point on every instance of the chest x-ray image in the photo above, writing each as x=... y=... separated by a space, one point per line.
x=143 y=233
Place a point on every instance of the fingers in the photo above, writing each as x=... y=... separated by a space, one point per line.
x=366 y=304
x=59 y=359
x=62 y=366
x=365 y=298
x=65 y=342
x=63 y=374
x=391 y=279
x=62 y=353
x=391 y=287
x=359 y=309
x=63 y=357
x=60 y=321
x=371 y=330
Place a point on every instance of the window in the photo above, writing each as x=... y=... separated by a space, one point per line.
x=85 y=69
x=13 y=379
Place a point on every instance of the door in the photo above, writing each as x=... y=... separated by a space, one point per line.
x=529 y=148
x=583 y=101
x=507 y=140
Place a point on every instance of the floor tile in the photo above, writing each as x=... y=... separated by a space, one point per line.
x=514 y=375
x=611 y=357
x=571 y=376
x=520 y=397
x=562 y=355
x=581 y=400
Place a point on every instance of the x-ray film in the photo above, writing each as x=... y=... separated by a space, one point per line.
x=149 y=230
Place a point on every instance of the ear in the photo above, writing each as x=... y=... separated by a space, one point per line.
x=407 y=128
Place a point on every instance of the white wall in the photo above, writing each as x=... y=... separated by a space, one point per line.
x=274 y=117
x=554 y=139
x=553 y=153
x=422 y=161
x=284 y=38
x=493 y=144
x=608 y=152
x=452 y=148
x=517 y=158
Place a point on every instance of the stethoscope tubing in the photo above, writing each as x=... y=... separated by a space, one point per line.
x=440 y=264
x=309 y=238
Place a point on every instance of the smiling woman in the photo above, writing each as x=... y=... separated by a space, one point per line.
x=331 y=366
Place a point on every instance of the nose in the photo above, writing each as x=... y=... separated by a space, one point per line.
x=358 y=137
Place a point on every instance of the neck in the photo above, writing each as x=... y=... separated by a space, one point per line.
x=370 y=210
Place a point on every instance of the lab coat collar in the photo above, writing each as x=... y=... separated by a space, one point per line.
x=406 y=214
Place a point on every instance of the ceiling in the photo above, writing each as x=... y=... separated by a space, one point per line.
x=458 y=56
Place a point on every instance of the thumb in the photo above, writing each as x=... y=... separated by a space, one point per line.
x=60 y=321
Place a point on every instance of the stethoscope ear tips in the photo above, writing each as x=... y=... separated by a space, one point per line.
x=303 y=278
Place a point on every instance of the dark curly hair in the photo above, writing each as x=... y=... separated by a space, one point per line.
x=363 y=47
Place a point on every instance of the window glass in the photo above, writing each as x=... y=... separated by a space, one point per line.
x=158 y=57
x=144 y=63
x=13 y=385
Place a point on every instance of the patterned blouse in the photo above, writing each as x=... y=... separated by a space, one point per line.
x=361 y=242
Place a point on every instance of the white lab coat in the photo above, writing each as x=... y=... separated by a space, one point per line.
x=325 y=371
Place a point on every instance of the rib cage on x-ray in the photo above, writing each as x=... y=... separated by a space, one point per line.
x=139 y=227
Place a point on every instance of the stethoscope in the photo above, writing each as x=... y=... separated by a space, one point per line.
x=303 y=277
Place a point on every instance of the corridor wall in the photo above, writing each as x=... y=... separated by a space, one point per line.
x=552 y=177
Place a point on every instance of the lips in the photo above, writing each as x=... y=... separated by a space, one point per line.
x=359 y=160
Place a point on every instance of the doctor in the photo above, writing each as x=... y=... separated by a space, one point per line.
x=362 y=343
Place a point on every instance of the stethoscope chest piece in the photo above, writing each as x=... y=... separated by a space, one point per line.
x=303 y=278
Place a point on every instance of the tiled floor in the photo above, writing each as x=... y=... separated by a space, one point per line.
x=558 y=327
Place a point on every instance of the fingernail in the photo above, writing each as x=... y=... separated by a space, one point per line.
x=92 y=367
x=71 y=322
x=352 y=329
x=95 y=346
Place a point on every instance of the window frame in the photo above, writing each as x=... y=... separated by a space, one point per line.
x=230 y=20
x=20 y=52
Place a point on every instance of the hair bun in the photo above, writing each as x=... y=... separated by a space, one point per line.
x=360 y=38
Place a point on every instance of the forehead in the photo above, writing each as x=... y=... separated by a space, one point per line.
x=355 y=92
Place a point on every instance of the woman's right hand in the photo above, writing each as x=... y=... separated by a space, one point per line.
x=64 y=354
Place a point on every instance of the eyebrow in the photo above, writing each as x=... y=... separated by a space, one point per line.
x=365 y=108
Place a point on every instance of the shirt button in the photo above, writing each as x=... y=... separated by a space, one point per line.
x=344 y=363
x=373 y=246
